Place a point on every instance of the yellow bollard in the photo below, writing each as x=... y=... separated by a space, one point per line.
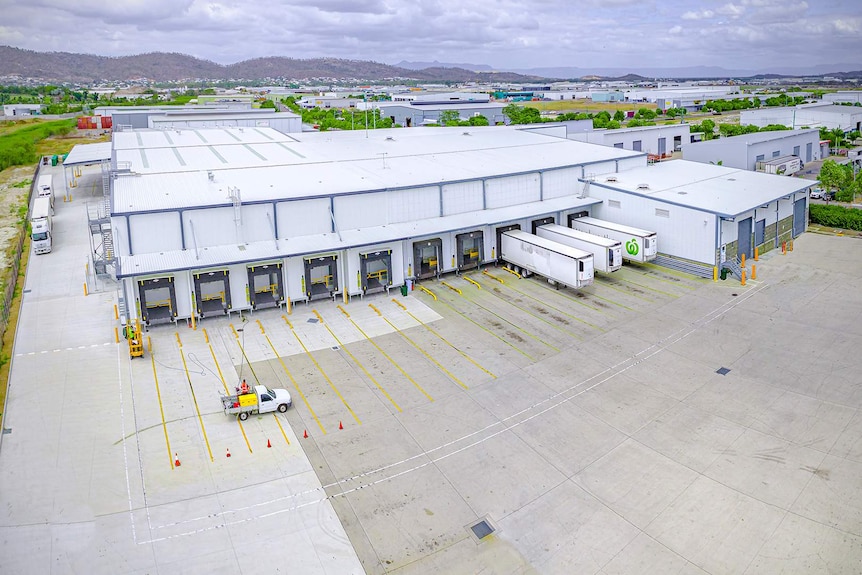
x=85 y=289
x=790 y=246
x=116 y=312
x=742 y=262
x=288 y=306
x=715 y=273
x=743 y=277
x=753 y=272
x=783 y=248
x=755 y=256
x=116 y=335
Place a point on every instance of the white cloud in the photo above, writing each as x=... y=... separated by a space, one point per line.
x=705 y=14
x=675 y=30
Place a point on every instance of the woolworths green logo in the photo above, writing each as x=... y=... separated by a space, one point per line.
x=632 y=247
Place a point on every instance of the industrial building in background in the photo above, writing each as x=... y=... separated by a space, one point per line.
x=207 y=222
x=746 y=151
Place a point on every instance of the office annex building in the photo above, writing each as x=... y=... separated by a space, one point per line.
x=210 y=221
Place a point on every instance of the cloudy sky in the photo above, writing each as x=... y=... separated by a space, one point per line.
x=736 y=34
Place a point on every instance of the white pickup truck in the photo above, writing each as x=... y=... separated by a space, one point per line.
x=260 y=400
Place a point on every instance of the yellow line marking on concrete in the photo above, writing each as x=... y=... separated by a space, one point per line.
x=492 y=276
x=429 y=292
x=161 y=408
x=608 y=282
x=419 y=349
x=280 y=428
x=359 y=363
x=206 y=335
x=482 y=327
x=226 y=390
x=195 y=400
x=242 y=350
x=673 y=295
x=260 y=325
x=179 y=341
x=546 y=304
x=453 y=288
x=386 y=355
x=447 y=342
x=669 y=271
x=645 y=274
x=295 y=384
x=322 y=372
x=233 y=329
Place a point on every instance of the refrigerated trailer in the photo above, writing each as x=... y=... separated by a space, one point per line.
x=607 y=253
x=561 y=264
x=638 y=245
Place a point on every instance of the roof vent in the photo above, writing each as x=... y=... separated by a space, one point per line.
x=390 y=139
x=611 y=179
x=466 y=134
x=643 y=186
x=211 y=176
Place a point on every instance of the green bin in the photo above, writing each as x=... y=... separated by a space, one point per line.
x=54 y=160
x=404 y=290
x=724 y=272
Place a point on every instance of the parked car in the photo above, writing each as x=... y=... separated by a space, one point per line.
x=816 y=194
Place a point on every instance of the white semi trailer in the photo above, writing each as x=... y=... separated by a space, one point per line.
x=562 y=264
x=42 y=230
x=638 y=245
x=607 y=253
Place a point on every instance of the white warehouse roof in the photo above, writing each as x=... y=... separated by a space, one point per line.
x=726 y=192
x=171 y=169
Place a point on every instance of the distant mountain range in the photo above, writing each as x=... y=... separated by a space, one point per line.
x=172 y=67
x=836 y=70
x=61 y=67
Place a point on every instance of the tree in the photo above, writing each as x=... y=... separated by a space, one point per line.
x=268 y=104
x=837 y=178
x=449 y=118
x=619 y=116
x=478 y=121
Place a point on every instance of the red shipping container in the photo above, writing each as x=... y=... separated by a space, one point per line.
x=106 y=122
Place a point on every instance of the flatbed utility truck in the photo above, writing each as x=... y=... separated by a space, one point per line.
x=260 y=399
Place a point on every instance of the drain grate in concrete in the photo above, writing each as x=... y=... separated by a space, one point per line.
x=722 y=371
x=312 y=320
x=481 y=529
x=7 y=430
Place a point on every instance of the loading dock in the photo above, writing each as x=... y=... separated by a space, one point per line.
x=744 y=238
x=499 y=231
x=321 y=276
x=375 y=270
x=265 y=285
x=542 y=222
x=574 y=216
x=158 y=300
x=426 y=258
x=469 y=250
x=212 y=293
x=799 y=217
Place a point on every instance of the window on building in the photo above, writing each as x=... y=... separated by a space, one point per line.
x=776 y=153
x=759 y=158
x=796 y=151
x=636 y=145
x=618 y=145
x=614 y=204
x=662 y=213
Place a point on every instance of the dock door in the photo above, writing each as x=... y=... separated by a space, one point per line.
x=321 y=276
x=744 y=238
x=265 y=285
x=798 y=217
x=375 y=270
x=158 y=299
x=542 y=222
x=426 y=258
x=469 y=252
x=212 y=293
x=500 y=231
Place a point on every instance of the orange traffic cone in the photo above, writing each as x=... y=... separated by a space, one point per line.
x=340 y=426
x=268 y=444
x=176 y=460
x=228 y=452
x=305 y=433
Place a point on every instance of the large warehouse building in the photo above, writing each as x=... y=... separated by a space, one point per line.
x=205 y=222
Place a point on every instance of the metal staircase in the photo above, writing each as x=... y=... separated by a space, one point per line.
x=99 y=220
